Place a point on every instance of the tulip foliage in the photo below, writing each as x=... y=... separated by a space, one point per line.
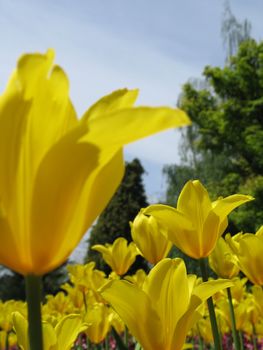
x=58 y=172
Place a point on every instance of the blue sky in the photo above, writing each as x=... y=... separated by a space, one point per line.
x=103 y=45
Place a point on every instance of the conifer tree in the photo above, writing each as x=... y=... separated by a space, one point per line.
x=114 y=221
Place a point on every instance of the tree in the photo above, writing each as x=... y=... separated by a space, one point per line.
x=123 y=207
x=227 y=140
x=233 y=32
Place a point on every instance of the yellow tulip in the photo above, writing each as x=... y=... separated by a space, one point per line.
x=86 y=277
x=60 y=337
x=203 y=329
x=57 y=305
x=238 y=290
x=149 y=238
x=197 y=223
x=119 y=256
x=98 y=317
x=240 y=310
x=160 y=314
x=221 y=260
x=248 y=249
x=138 y=278
x=58 y=172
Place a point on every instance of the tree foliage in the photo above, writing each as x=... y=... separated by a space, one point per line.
x=123 y=207
x=224 y=146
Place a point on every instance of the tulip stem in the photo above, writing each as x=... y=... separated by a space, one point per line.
x=254 y=339
x=6 y=341
x=33 y=297
x=233 y=320
x=241 y=340
x=211 y=309
x=85 y=301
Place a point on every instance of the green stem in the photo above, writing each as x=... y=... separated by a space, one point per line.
x=254 y=338
x=233 y=320
x=6 y=341
x=211 y=308
x=126 y=336
x=85 y=301
x=200 y=339
x=106 y=342
x=33 y=297
x=241 y=340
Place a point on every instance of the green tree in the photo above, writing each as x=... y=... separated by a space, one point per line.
x=226 y=139
x=123 y=207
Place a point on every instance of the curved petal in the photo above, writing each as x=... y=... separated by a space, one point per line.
x=207 y=289
x=67 y=330
x=169 y=216
x=180 y=229
x=136 y=310
x=118 y=99
x=185 y=323
x=127 y=125
x=99 y=188
x=223 y=207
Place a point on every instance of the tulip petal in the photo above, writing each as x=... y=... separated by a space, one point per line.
x=49 y=337
x=124 y=255
x=68 y=329
x=195 y=203
x=169 y=217
x=10 y=243
x=207 y=289
x=118 y=99
x=136 y=310
x=21 y=328
x=51 y=113
x=223 y=207
x=101 y=186
x=209 y=235
x=167 y=286
x=149 y=238
x=250 y=257
x=58 y=186
x=127 y=125
x=180 y=229
x=13 y=120
x=185 y=323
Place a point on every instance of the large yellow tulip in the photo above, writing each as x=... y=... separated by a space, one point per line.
x=197 y=223
x=161 y=313
x=58 y=172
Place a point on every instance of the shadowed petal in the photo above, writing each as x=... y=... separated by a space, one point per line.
x=136 y=310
